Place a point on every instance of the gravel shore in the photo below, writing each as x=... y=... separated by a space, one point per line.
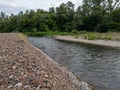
x=24 y=67
x=96 y=42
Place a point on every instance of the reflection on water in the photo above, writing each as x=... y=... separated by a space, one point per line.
x=96 y=65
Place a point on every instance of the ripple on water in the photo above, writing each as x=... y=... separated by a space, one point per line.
x=97 y=65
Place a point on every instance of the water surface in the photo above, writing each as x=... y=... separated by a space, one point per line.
x=97 y=65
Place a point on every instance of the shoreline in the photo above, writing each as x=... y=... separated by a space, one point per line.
x=94 y=42
x=24 y=66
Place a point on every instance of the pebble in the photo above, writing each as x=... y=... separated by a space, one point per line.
x=1 y=71
x=14 y=67
x=22 y=73
x=13 y=89
x=0 y=57
x=25 y=75
x=18 y=85
x=28 y=87
x=10 y=86
x=11 y=77
x=42 y=72
x=46 y=76
x=45 y=80
x=48 y=85
x=38 y=88
x=38 y=72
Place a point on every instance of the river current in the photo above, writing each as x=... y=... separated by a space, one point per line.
x=97 y=65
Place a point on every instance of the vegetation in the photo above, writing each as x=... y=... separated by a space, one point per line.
x=48 y=33
x=91 y=16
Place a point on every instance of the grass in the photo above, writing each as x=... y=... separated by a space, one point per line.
x=82 y=34
x=96 y=35
x=49 y=33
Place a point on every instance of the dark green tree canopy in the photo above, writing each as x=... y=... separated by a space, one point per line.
x=92 y=15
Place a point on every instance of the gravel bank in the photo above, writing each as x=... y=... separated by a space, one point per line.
x=96 y=42
x=24 y=67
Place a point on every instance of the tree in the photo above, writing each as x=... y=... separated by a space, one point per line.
x=61 y=16
x=92 y=15
x=2 y=14
x=51 y=10
x=78 y=18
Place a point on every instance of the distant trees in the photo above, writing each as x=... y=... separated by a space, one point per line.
x=92 y=15
x=64 y=16
x=96 y=14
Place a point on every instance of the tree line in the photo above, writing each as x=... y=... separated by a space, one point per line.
x=92 y=15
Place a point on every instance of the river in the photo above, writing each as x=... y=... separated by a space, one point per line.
x=97 y=65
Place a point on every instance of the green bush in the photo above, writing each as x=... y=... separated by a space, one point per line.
x=34 y=29
x=92 y=37
x=74 y=31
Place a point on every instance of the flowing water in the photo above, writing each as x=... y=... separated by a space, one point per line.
x=97 y=65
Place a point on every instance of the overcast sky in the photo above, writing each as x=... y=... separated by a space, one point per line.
x=14 y=6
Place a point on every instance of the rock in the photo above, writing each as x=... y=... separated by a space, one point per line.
x=1 y=72
x=38 y=72
x=13 y=89
x=14 y=67
x=22 y=73
x=28 y=87
x=46 y=76
x=46 y=89
x=45 y=80
x=10 y=86
x=18 y=85
x=48 y=85
x=11 y=77
x=0 y=57
x=84 y=86
x=42 y=72
x=38 y=88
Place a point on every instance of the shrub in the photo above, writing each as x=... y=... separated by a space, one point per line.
x=74 y=31
x=34 y=29
x=92 y=37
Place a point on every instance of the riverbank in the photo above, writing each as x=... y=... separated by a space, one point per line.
x=96 y=42
x=24 y=67
x=115 y=36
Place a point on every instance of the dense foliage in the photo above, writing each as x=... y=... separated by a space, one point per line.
x=92 y=15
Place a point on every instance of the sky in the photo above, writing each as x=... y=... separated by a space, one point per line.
x=15 y=6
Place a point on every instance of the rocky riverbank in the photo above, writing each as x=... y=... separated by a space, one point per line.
x=95 y=42
x=24 y=67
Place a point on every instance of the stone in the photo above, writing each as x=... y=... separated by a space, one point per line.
x=19 y=85
x=45 y=80
x=28 y=87
x=38 y=72
x=46 y=76
x=38 y=88
x=22 y=73
x=14 y=67
x=48 y=85
x=42 y=72
x=11 y=77
x=10 y=86
x=13 y=89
